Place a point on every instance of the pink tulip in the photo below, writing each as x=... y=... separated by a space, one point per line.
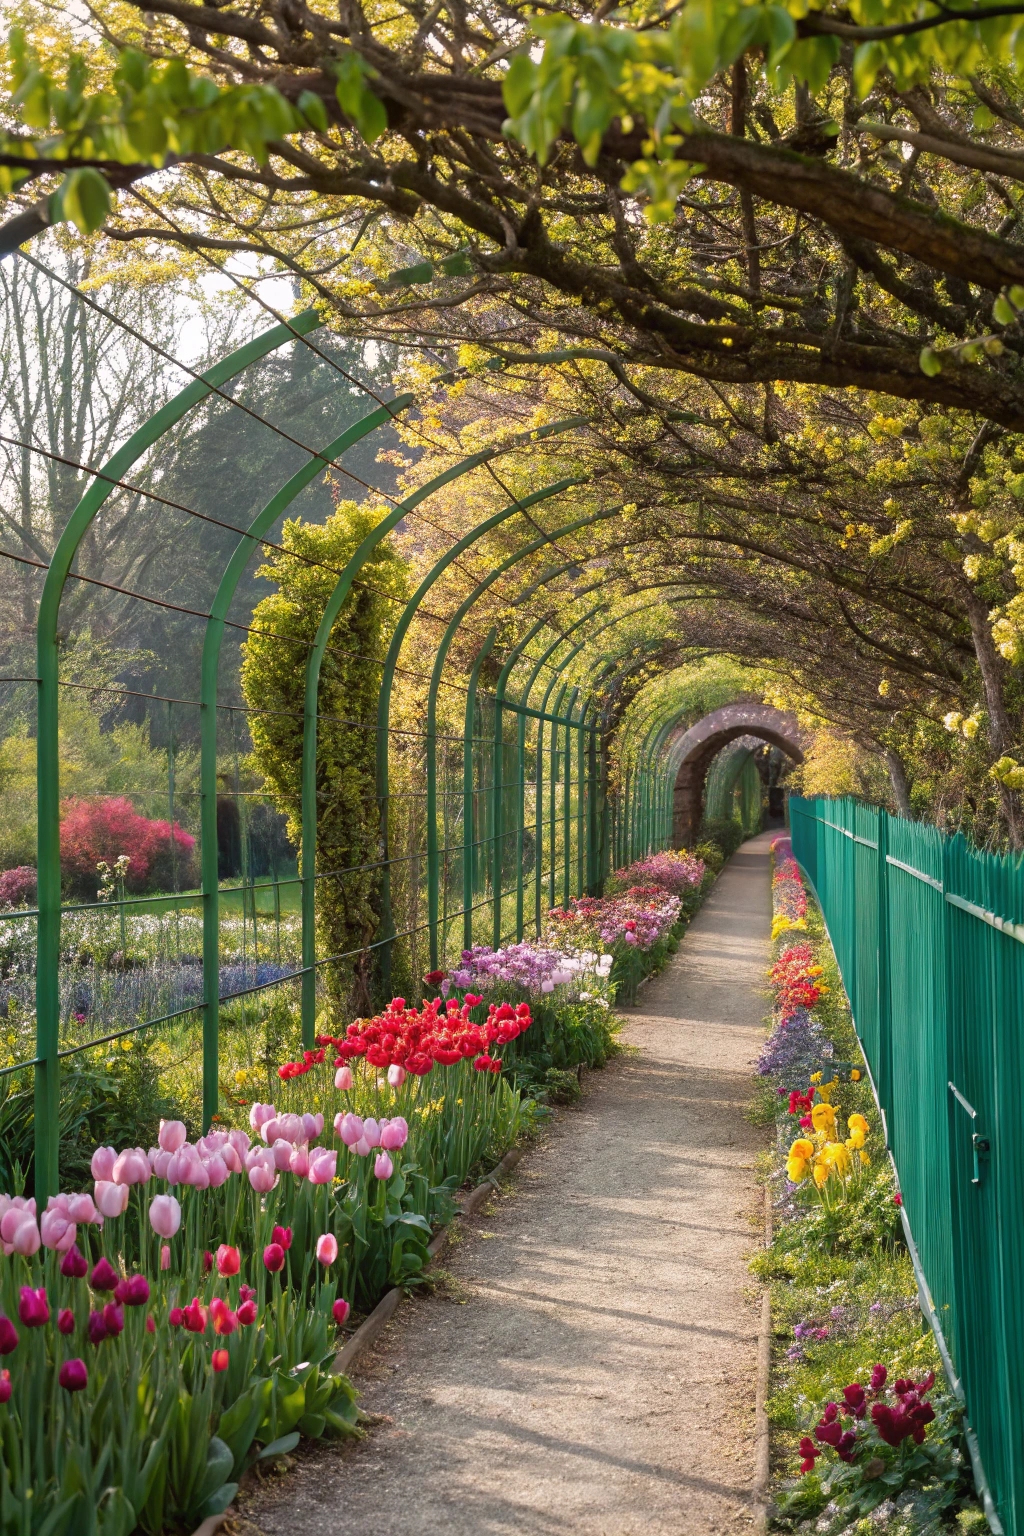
x=178 y=1165
x=111 y=1199
x=26 y=1237
x=340 y=1311
x=362 y=1147
x=371 y=1132
x=262 y=1178
x=82 y=1209
x=53 y=1226
x=349 y=1127
x=132 y=1167
x=259 y=1114
x=102 y=1165
x=172 y=1135
x=299 y=1162
x=160 y=1162
x=269 y=1131
x=196 y=1175
x=165 y=1256
x=281 y=1152
x=396 y=1075
x=394 y=1134
x=240 y=1141
x=164 y=1215
x=383 y=1168
x=213 y=1141
x=343 y=1079
x=327 y=1248
x=217 y=1171
x=230 y=1158
x=312 y=1125
x=322 y=1167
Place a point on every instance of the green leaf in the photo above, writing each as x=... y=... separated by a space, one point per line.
x=457 y=265
x=1003 y=312
x=281 y=1446
x=313 y=110
x=518 y=85
x=218 y=1502
x=219 y=1465
x=930 y=362
x=83 y=198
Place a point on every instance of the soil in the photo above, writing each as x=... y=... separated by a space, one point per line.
x=586 y=1364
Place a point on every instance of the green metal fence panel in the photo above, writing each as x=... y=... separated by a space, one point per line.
x=929 y=936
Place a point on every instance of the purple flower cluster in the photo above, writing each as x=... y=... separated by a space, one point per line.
x=795 y=1048
x=535 y=969
x=675 y=872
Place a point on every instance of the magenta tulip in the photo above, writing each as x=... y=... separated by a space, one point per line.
x=246 y=1313
x=113 y=1319
x=8 y=1336
x=102 y=1165
x=96 y=1328
x=66 y=1320
x=383 y=1167
x=73 y=1376
x=327 y=1248
x=74 y=1264
x=133 y=1291
x=5 y=1386
x=273 y=1257
x=172 y=1135
x=343 y=1079
x=340 y=1311
x=103 y=1277
x=164 y=1215
x=33 y=1307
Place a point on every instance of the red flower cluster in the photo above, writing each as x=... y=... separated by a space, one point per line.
x=907 y=1418
x=438 y=1033
x=309 y=1059
x=91 y=830
x=800 y=1103
x=795 y=985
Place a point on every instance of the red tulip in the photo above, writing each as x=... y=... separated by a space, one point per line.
x=246 y=1313
x=220 y=1360
x=194 y=1316
x=229 y=1260
x=224 y=1320
x=282 y=1236
x=341 y=1310
x=73 y=1376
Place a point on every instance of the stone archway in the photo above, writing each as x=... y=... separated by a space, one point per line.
x=694 y=748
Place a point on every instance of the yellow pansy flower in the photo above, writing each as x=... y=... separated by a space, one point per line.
x=865 y=1159
x=823 y=1117
x=835 y=1153
x=815 y=1077
x=855 y=1076
x=858 y=1123
x=855 y=1140
x=797 y=1169
x=821 y=1173
x=802 y=1148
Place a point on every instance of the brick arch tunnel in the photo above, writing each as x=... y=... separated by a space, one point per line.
x=695 y=747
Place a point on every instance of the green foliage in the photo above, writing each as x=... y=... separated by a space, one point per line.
x=273 y=681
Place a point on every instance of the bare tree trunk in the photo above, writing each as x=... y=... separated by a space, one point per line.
x=898 y=780
x=1000 y=731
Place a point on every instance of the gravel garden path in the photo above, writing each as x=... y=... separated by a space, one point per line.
x=587 y=1364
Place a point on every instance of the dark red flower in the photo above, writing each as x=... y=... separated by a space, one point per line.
x=282 y=1236
x=103 y=1277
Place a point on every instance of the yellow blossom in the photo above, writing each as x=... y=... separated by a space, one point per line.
x=802 y=1148
x=855 y=1140
x=865 y=1159
x=821 y=1172
x=797 y=1169
x=837 y=1155
x=855 y=1076
x=858 y=1123
x=823 y=1117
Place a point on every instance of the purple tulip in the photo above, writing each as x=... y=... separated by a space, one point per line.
x=103 y=1277
x=73 y=1376
x=74 y=1264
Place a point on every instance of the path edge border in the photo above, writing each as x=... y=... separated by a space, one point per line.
x=762 y=1427
x=371 y=1327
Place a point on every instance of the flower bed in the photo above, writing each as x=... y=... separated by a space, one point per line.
x=863 y=1424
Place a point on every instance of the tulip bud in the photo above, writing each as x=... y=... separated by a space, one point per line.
x=327 y=1248
x=246 y=1313
x=262 y=1178
x=111 y=1199
x=229 y=1260
x=383 y=1167
x=349 y=1127
x=282 y=1235
x=73 y=1376
x=340 y=1311
x=102 y=1165
x=33 y=1307
x=299 y=1161
x=113 y=1319
x=172 y=1135
x=396 y=1075
x=103 y=1277
x=133 y=1291
x=165 y=1256
x=5 y=1386
x=343 y=1079
x=176 y=1317
x=8 y=1336
x=164 y=1215
x=216 y=1171
x=322 y=1167
x=273 y=1257
x=26 y=1237
x=132 y=1167
x=220 y=1360
x=74 y=1264
x=96 y=1328
x=66 y=1320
